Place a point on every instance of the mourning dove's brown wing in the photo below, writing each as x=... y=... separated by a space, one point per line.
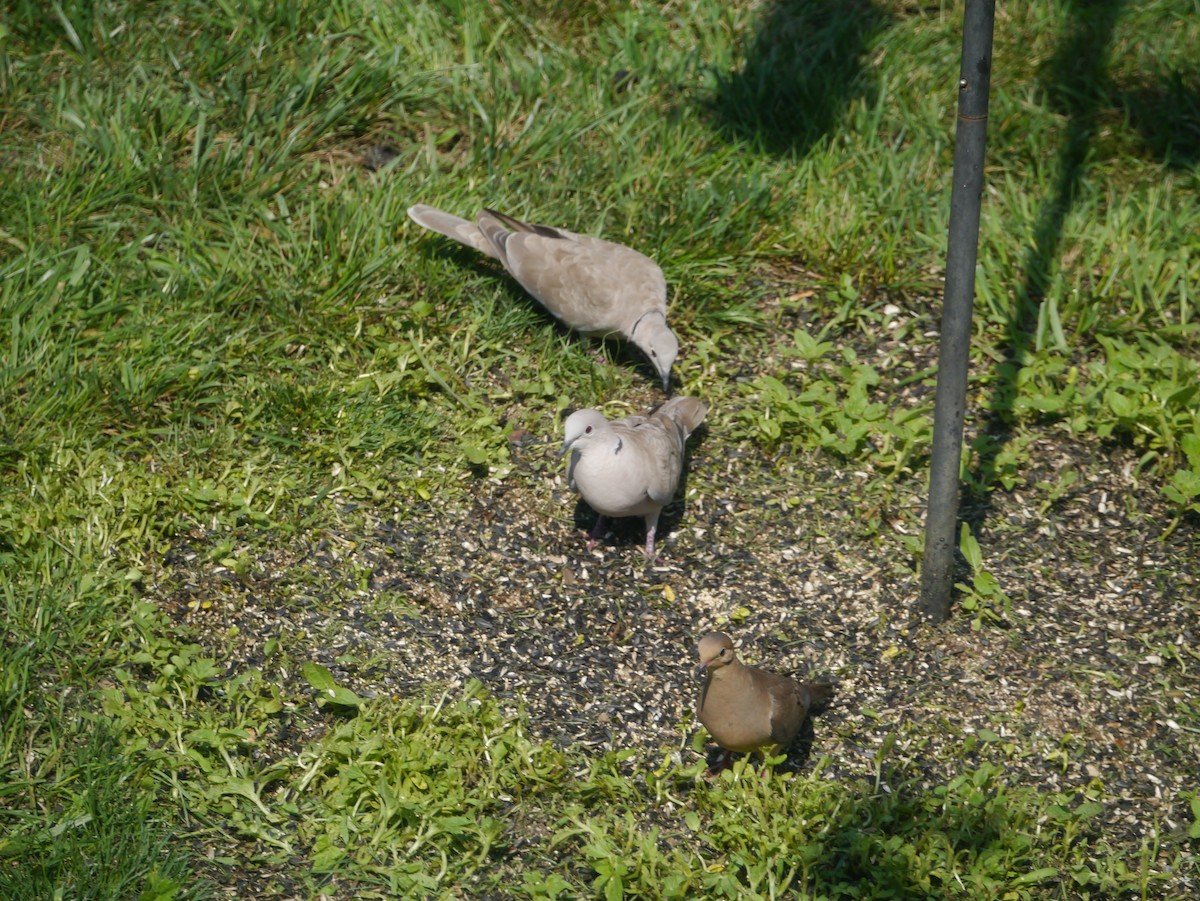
x=594 y=286
x=630 y=467
x=747 y=709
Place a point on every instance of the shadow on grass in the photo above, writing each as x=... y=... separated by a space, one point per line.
x=1162 y=107
x=879 y=841
x=1165 y=111
x=889 y=837
x=802 y=68
x=1074 y=81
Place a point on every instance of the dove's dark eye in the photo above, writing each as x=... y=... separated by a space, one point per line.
x=723 y=650
x=588 y=430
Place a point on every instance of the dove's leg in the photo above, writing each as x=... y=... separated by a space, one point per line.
x=597 y=532
x=651 y=528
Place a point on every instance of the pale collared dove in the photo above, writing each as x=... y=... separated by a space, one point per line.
x=594 y=286
x=747 y=709
x=630 y=467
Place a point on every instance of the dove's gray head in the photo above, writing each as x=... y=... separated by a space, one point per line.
x=716 y=651
x=581 y=424
x=656 y=340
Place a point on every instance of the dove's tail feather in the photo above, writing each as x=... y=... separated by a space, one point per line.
x=452 y=227
x=686 y=412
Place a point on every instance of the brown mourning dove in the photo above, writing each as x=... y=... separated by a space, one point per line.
x=747 y=709
x=630 y=467
x=594 y=286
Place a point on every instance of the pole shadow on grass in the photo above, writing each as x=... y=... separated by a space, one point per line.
x=802 y=68
x=1076 y=83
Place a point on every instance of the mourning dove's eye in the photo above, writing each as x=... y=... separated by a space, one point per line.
x=723 y=650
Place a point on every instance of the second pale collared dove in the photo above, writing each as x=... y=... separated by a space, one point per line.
x=630 y=467
x=594 y=286
x=747 y=709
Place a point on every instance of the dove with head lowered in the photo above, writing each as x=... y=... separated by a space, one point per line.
x=594 y=286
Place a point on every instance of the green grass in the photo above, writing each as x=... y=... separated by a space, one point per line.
x=219 y=328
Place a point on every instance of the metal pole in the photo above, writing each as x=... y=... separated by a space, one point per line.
x=937 y=568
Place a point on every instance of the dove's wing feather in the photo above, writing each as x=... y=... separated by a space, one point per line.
x=595 y=287
x=750 y=709
x=686 y=412
x=655 y=456
x=788 y=705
